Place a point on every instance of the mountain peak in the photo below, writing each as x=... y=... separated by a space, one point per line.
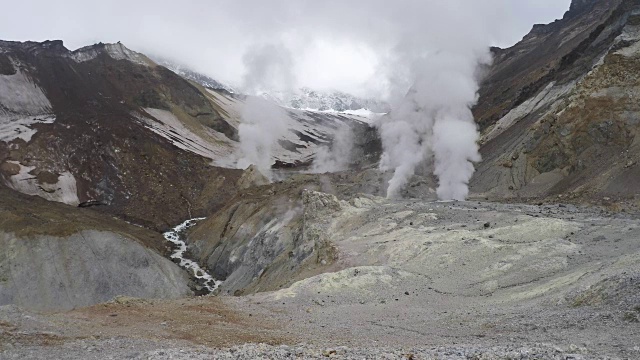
x=34 y=47
x=115 y=50
x=579 y=7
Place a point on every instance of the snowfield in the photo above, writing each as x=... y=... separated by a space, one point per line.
x=22 y=105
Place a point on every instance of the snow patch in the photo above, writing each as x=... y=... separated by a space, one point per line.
x=171 y=128
x=19 y=127
x=21 y=95
x=364 y=115
x=22 y=104
x=176 y=236
x=64 y=191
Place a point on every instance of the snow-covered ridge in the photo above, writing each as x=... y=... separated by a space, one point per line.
x=189 y=74
x=117 y=51
x=366 y=115
x=336 y=101
x=175 y=236
x=302 y=99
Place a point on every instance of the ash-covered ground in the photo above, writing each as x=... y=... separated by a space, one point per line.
x=411 y=279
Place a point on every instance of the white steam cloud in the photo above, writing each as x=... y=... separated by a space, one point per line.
x=269 y=67
x=428 y=55
x=433 y=124
x=262 y=126
x=337 y=156
x=212 y=36
x=373 y=48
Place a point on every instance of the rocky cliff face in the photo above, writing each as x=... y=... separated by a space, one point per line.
x=267 y=238
x=557 y=110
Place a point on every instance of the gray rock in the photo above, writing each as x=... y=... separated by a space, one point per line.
x=51 y=273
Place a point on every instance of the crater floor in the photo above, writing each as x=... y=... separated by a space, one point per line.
x=413 y=278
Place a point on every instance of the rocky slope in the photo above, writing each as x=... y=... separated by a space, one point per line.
x=558 y=112
x=76 y=129
x=565 y=130
x=269 y=236
x=57 y=258
x=107 y=128
x=432 y=279
x=104 y=125
x=308 y=132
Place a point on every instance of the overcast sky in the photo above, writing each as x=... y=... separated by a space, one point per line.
x=335 y=44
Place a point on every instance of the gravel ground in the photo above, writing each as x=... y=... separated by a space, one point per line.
x=262 y=351
x=141 y=350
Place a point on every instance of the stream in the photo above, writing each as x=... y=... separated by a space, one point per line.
x=176 y=236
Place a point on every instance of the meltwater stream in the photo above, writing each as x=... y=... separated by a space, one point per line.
x=175 y=236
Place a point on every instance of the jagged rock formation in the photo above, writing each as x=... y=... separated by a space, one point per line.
x=557 y=110
x=265 y=240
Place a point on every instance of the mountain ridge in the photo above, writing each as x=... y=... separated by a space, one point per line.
x=538 y=140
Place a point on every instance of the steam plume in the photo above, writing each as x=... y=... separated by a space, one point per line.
x=427 y=56
x=269 y=67
x=434 y=123
x=336 y=157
